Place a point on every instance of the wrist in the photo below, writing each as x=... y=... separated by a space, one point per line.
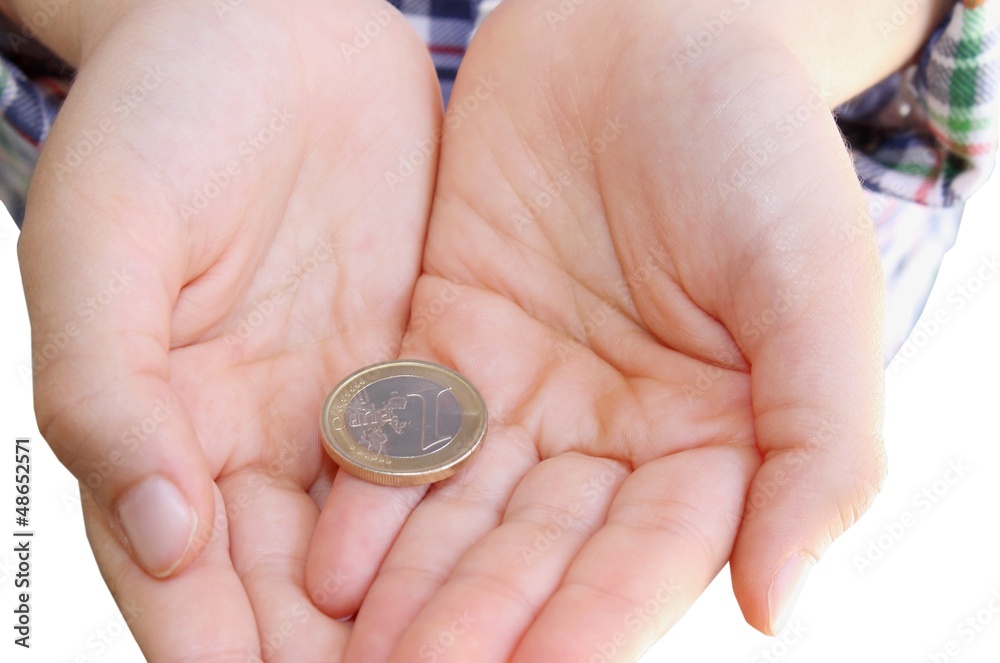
x=849 y=46
x=843 y=48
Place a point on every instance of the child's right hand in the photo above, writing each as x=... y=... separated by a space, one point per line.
x=210 y=244
x=671 y=301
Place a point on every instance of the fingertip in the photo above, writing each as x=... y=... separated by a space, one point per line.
x=158 y=524
x=785 y=589
x=355 y=530
x=331 y=589
x=799 y=503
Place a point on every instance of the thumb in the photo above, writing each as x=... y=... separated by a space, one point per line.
x=809 y=316
x=100 y=297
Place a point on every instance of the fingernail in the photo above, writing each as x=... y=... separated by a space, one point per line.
x=158 y=524
x=785 y=589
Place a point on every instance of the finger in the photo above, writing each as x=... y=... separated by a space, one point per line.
x=102 y=259
x=454 y=515
x=347 y=550
x=170 y=627
x=270 y=523
x=105 y=407
x=669 y=531
x=809 y=308
x=503 y=582
x=800 y=295
x=99 y=312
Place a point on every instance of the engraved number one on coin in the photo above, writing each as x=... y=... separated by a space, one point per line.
x=430 y=436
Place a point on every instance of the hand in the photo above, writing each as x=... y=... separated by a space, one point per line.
x=668 y=293
x=210 y=245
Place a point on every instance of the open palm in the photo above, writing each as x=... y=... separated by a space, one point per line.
x=219 y=266
x=667 y=293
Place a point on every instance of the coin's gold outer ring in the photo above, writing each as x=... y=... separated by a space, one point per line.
x=398 y=471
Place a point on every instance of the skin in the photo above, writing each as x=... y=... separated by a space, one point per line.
x=679 y=373
x=242 y=389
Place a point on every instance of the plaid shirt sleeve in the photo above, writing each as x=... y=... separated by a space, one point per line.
x=29 y=107
x=922 y=141
x=930 y=134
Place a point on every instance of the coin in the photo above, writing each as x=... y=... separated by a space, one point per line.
x=403 y=423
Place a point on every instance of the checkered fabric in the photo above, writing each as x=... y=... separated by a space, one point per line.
x=947 y=147
x=29 y=108
x=446 y=27
x=923 y=140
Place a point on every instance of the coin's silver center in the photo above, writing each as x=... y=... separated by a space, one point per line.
x=404 y=416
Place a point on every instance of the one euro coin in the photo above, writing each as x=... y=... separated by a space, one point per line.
x=403 y=423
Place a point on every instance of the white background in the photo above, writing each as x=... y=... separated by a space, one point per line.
x=942 y=407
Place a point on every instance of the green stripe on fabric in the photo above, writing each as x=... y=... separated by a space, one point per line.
x=961 y=121
x=962 y=91
x=910 y=168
